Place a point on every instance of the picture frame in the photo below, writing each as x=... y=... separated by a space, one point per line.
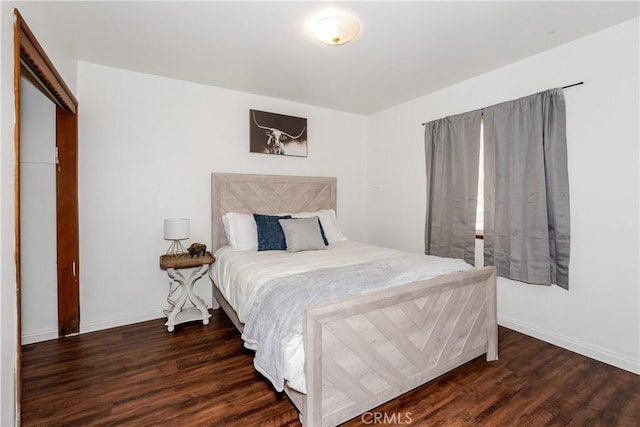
x=272 y=133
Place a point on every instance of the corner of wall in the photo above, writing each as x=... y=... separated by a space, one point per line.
x=7 y=261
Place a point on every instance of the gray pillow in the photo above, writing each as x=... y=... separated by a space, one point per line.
x=302 y=234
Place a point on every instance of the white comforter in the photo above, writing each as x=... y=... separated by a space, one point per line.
x=240 y=274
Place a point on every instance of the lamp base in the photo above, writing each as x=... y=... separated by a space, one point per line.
x=176 y=248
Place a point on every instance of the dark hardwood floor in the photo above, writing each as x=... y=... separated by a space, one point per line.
x=141 y=375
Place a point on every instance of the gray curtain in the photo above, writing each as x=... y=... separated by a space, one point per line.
x=526 y=223
x=452 y=148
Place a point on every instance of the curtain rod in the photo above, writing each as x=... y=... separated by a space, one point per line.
x=575 y=84
x=563 y=87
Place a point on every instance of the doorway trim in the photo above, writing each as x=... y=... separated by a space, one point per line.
x=32 y=62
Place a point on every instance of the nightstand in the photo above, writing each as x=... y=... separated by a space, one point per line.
x=176 y=312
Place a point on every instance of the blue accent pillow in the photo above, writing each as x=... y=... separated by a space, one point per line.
x=270 y=234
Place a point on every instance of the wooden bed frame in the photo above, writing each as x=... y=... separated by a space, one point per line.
x=365 y=350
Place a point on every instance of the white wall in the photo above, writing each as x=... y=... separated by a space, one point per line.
x=38 y=254
x=599 y=315
x=148 y=145
x=7 y=264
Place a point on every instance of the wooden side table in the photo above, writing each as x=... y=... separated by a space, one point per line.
x=176 y=312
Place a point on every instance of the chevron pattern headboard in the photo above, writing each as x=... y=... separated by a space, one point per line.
x=266 y=194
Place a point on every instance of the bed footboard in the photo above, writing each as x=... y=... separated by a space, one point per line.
x=366 y=350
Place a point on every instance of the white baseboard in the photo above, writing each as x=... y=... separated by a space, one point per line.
x=39 y=336
x=588 y=350
x=121 y=321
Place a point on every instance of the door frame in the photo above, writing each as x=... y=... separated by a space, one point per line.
x=32 y=62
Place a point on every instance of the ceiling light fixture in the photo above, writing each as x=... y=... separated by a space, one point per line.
x=336 y=30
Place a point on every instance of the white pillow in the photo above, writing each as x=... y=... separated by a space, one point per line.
x=241 y=231
x=329 y=223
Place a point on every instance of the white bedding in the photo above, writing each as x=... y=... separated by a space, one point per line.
x=240 y=274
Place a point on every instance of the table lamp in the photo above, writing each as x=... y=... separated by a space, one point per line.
x=176 y=229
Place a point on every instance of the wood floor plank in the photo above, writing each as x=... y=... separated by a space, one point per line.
x=141 y=375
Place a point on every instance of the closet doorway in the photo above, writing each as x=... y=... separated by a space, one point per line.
x=32 y=63
x=38 y=249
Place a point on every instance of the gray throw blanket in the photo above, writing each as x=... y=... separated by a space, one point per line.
x=277 y=312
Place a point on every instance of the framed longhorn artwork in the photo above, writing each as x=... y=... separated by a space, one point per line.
x=272 y=133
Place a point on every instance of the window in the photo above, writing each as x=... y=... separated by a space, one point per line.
x=480 y=205
x=528 y=230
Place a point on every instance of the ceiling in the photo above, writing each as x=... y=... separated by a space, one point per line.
x=405 y=49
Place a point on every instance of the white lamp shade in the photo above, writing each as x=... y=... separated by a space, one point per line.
x=176 y=228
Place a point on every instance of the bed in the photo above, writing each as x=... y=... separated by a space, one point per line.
x=363 y=350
